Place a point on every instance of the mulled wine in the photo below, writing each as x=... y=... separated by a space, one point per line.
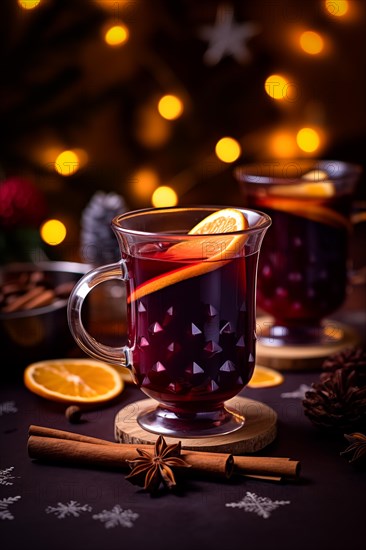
x=193 y=342
x=190 y=276
x=302 y=274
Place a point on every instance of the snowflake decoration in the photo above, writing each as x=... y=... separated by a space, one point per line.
x=7 y=407
x=117 y=516
x=227 y=37
x=297 y=394
x=4 y=505
x=71 y=508
x=5 y=476
x=262 y=506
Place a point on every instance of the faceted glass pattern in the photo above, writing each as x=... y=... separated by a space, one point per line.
x=194 y=342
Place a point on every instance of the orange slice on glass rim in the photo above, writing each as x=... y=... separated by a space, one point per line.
x=313 y=212
x=73 y=380
x=227 y=220
x=308 y=190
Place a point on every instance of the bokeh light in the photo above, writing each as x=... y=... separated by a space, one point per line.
x=283 y=144
x=337 y=8
x=29 y=4
x=311 y=42
x=276 y=86
x=308 y=140
x=67 y=163
x=116 y=35
x=164 y=196
x=228 y=149
x=53 y=232
x=151 y=129
x=170 y=107
x=143 y=183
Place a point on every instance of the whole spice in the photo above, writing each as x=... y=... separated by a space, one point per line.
x=30 y=290
x=350 y=358
x=338 y=400
x=357 y=449
x=149 y=471
x=73 y=414
x=61 y=446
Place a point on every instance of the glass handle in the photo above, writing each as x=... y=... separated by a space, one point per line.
x=116 y=355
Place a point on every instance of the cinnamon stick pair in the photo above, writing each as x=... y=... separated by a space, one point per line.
x=61 y=446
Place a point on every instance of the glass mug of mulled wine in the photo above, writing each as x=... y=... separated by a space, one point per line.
x=190 y=277
x=303 y=269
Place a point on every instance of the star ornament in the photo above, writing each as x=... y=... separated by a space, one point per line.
x=227 y=37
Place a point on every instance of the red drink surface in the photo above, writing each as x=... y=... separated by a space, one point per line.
x=193 y=341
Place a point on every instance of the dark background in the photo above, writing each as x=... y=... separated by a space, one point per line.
x=62 y=87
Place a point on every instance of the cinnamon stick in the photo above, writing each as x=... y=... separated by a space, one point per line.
x=254 y=466
x=116 y=455
x=43 y=299
x=44 y=431
x=21 y=301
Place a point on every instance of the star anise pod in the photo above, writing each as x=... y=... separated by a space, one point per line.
x=150 y=470
x=357 y=448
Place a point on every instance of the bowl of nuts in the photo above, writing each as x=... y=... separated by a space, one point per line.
x=33 y=306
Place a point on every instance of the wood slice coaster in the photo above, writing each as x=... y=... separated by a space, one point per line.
x=259 y=430
x=297 y=357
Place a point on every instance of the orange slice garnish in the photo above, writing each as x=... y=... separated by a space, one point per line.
x=313 y=212
x=227 y=220
x=324 y=189
x=73 y=380
x=264 y=377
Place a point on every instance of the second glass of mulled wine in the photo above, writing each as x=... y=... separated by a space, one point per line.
x=302 y=275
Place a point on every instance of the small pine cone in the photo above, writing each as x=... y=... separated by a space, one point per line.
x=337 y=402
x=98 y=243
x=349 y=359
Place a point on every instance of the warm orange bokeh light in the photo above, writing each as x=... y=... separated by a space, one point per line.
x=311 y=42
x=308 y=140
x=53 y=232
x=67 y=163
x=228 y=149
x=164 y=196
x=170 y=107
x=144 y=182
x=29 y=4
x=282 y=144
x=276 y=86
x=337 y=8
x=116 y=35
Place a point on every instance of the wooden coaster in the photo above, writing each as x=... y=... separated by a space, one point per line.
x=304 y=357
x=260 y=428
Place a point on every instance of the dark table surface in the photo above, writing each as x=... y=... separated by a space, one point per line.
x=324 y=509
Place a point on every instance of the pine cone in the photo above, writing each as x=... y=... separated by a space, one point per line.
x=338 y=401
x=98 y=242
x=351 y=358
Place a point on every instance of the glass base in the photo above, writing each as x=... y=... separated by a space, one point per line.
x=165 y=421
x=327 y=332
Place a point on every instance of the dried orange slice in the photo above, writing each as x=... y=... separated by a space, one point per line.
x=73 y=380
x=311 y=211
x=319 y=190
x=227 y=220
x=264 y=377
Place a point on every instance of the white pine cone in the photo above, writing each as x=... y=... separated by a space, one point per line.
x=98 y=243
